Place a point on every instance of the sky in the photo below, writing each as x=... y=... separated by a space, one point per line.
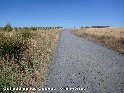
x=65 y=13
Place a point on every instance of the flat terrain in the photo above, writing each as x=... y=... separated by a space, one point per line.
x=79 y=63
x=111 y=37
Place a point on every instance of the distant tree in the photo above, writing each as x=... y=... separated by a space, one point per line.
x=82 y=27
x=33 y=28
x=26 y=28
x=8 y=28
x=87 y=27
x=100 y=26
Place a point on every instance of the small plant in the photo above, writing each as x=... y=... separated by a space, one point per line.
x=1 y=28
x=8 y=28
x=16 y=29
x=121 y=40
x=27 y=34
x=5 y=83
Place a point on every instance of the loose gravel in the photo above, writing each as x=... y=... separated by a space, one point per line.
x=81 y=66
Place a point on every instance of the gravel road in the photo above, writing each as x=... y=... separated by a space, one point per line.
x=81 y=66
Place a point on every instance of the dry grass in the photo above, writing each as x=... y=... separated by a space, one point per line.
x=44 y=46
x=35 y=59
x=111 y=37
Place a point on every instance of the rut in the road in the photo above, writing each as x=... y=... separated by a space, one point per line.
x=79 y=63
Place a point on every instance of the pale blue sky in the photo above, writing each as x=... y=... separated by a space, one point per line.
x=66 y=13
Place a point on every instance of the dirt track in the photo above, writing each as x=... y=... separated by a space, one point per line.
x=82 y=64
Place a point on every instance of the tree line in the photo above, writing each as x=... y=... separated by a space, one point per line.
x=95 y=27
x=9 y=28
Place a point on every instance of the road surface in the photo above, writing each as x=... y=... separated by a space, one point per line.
x=81 y=66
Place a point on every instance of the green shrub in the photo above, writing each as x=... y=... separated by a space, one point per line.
x=5 y=82
x=8 y=28
x=12 y=47
x=27 y=34
x=33 y=28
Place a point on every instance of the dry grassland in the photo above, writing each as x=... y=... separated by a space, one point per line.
x=28 y=67
x=112 y=37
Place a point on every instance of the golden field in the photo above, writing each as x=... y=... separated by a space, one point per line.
x=112 y=37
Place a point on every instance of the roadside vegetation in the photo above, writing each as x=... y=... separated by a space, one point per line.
x=109 y=36
x=25 y=54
